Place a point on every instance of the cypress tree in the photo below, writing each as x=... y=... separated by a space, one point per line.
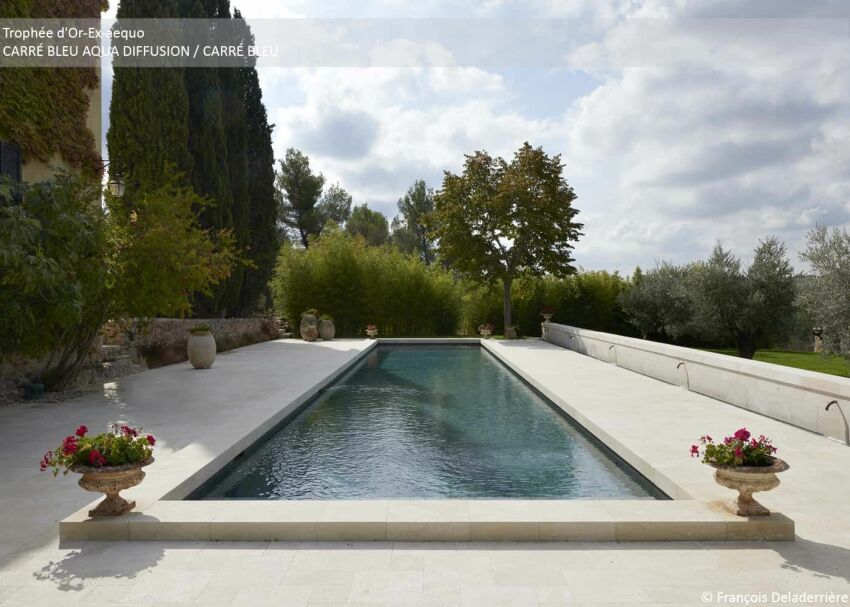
x=148 y=115
x=208 y=146
x=263 y=213
x=236 y=135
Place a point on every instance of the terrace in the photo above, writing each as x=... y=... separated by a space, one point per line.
x=203 y=419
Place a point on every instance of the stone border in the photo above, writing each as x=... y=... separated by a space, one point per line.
x=794 y=396
x=168 y=517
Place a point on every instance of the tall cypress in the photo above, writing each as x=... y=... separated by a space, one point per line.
x=263 y=213
x=148 y=115
x=208 y=146
x=236 y=134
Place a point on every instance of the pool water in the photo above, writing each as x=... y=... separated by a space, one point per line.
x=426 y=422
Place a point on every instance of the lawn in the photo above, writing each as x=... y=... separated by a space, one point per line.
x=810 y=361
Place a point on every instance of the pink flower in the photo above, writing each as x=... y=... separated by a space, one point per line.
x=694 y=451
x=151 y=439
x=739 y=452
x=743 y=434
x=81 y=431
x=705 y=438
x=127 y=430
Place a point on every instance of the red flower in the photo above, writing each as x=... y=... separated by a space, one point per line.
x=694 y=451
x=96 y=458
x=705 y=438
x=739 y=452
x=69 y=445
x=743 y=434
x=81 y=431
x=45 y=461
x=151 y=439
x=129 y=431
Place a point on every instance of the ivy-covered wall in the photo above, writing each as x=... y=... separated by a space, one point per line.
x=44 y=110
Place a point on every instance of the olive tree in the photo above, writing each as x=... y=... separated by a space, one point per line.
x=656 y=302
x=748 y=308
x=826 y=292
x=499 y=220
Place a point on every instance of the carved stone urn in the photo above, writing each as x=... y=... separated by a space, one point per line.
x=309 y=327
x=747 y=480
x=111 y=480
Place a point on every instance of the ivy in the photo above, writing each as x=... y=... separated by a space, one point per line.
x=44 y=110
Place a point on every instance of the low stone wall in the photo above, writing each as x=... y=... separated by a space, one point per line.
x=163 y=340
x=794 y=396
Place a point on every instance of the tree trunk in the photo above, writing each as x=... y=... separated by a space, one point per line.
x=746 y=343
x=506 y=284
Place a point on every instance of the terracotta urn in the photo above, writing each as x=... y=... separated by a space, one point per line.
x=309 y=327
x=327 y=330
x=201 y=349
x=111 y=480
x=747 y=480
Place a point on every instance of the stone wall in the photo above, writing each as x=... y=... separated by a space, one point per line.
x=794 y=396
x=163 y=340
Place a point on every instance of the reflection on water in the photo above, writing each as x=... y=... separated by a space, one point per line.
x=428 y=422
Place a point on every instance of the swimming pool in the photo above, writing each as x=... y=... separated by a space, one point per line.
x=428 y=422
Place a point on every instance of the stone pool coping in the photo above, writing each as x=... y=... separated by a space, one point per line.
x=162 y=515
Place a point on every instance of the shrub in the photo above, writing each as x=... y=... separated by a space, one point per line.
x=359 y=284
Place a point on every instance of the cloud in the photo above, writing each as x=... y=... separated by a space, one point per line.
x=702 y=143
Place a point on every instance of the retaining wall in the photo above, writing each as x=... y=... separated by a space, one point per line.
x=794 y=396
x=163 y=340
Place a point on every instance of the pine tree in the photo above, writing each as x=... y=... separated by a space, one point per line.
x=149 y=129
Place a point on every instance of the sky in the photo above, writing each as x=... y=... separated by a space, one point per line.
x=681 y=123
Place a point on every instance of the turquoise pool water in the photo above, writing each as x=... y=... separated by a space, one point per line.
x=425 y=422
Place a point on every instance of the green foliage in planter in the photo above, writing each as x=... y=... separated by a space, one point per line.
x=124 y=445
x=44 y=110
x=360 y=284
x=200 y=328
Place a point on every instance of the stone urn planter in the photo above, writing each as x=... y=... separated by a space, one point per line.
x=372 y=331
x=327 y=330
x=546 y=317
x=747 y=480
x=111 y=480
x=309 y=327
x=485 y=330
x=201 y=347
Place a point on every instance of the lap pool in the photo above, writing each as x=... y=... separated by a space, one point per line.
x=428 y=422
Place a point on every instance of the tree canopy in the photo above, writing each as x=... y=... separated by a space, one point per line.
x=826 y=293
x=409 y=232
x=499 y=220
x=371 y=225
x=298 y=190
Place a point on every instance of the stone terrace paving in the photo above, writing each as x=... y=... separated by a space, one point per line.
x=186 y=408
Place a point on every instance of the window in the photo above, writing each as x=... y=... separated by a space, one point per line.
x=10 y=161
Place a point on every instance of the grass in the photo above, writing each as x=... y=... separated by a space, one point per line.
x=810 y=361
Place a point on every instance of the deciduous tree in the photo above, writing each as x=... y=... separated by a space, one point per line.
x=499 y=220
